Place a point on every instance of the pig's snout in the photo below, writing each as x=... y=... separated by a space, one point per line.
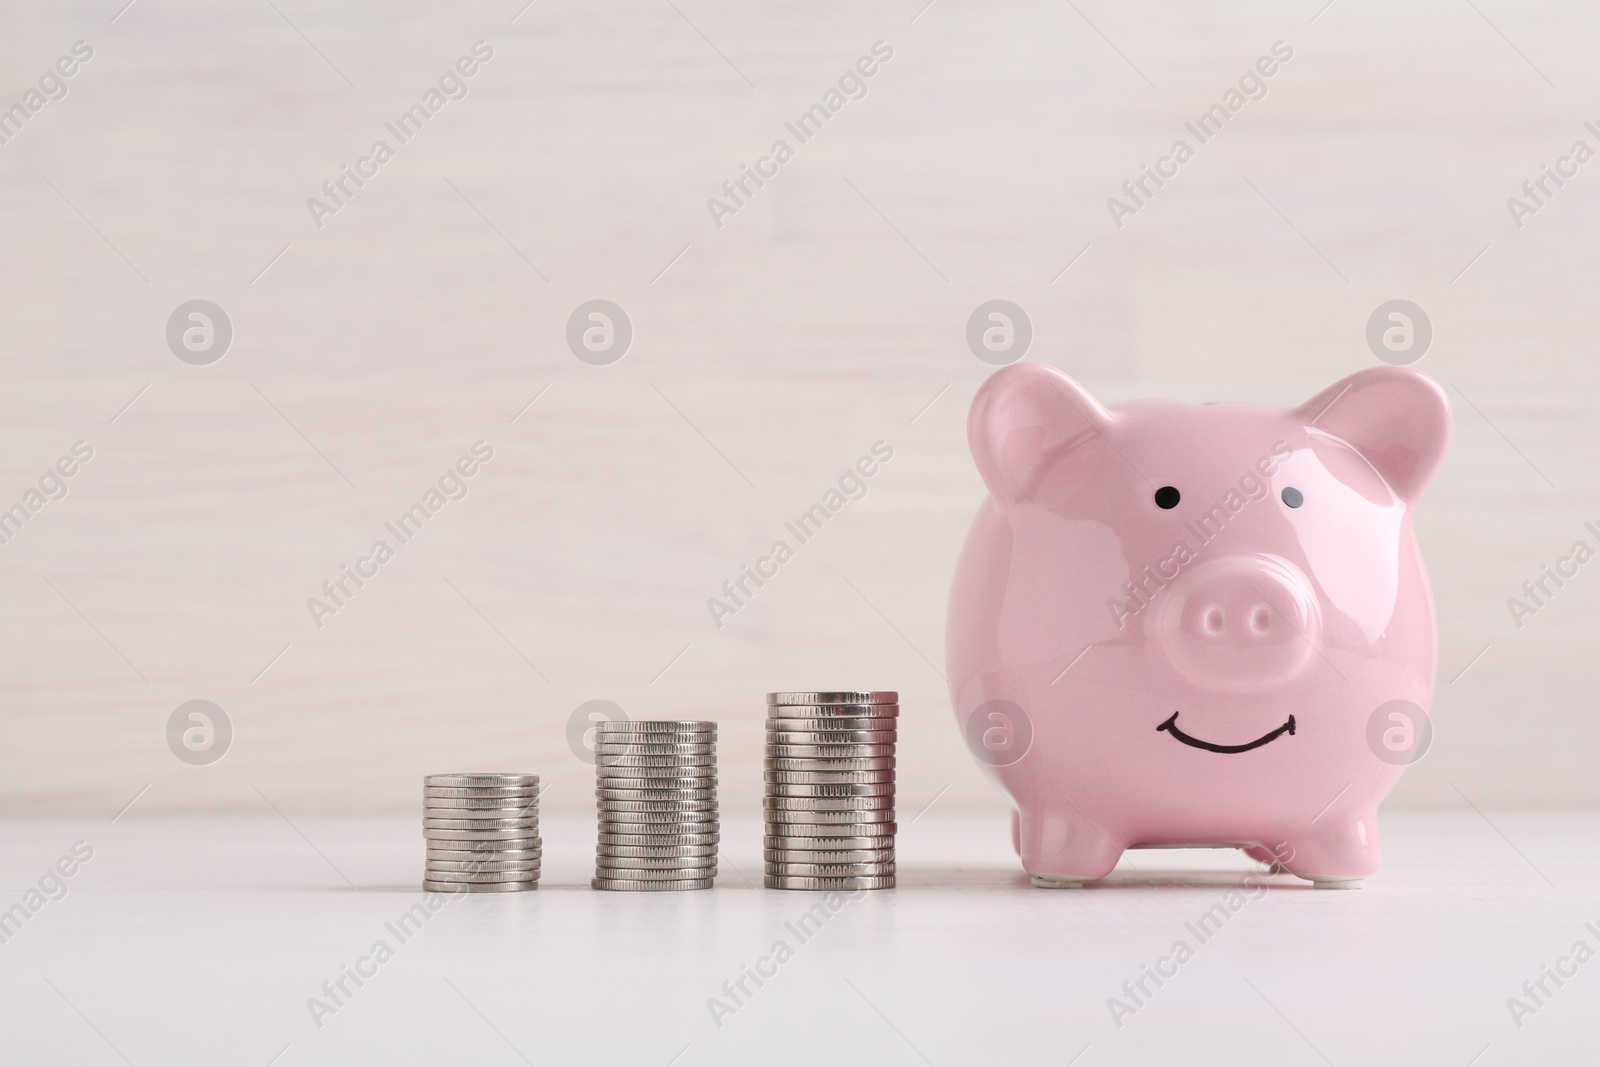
x=1240 y=624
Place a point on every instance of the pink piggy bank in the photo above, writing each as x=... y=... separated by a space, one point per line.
x=1178 y=625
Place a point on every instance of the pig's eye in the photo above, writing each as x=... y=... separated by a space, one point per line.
x=1293 y=497
x=1167 y=497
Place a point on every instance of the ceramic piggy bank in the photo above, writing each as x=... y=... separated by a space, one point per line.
x=1178 y=625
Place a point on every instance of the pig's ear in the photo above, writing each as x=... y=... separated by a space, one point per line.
x=1398 y=419
x=1023 y=420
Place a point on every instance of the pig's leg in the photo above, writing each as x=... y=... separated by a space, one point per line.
x=1061 y=850
x=1263 y=854
x=1337 y=854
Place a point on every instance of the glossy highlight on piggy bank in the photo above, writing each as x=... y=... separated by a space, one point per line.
x=1185 y=625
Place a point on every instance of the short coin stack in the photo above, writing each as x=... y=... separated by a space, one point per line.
x=482 y=832
x=656 y=788
x=829 y=795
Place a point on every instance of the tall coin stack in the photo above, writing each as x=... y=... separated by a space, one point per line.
x=656 y=788
x=482 y=832
x=829 y=795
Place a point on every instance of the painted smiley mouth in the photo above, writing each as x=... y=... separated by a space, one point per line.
x=1171 y=727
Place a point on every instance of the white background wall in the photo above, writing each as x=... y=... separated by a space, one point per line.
x=773 y=352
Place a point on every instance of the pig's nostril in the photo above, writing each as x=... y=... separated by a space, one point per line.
x=1213 y=621
x=1260 y=619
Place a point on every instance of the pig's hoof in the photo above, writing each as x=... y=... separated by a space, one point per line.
x=1338 y=883
x=1054 y=881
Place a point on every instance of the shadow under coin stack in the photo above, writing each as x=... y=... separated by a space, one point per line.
x=482 y=832
x=829 y=796
x=656 y=788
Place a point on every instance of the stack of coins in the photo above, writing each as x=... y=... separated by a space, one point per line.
x=829 y=795
x=482 y=832
x=656 y=788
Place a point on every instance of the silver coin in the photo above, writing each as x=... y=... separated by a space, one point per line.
x=687 y=778
x=776 y=735
x=655 y=851
x=652 y=781
x=466 y=792
x=483 y=866
x=837 y=849
x=676 y=785
x=828 y=816
x=615 y=728
x=831 y=870
x=834 y=737
x=704 y=869
x=480 y=814
x=448 y=862
x=432 y=804
x=465 y=850
x=648 y=748
x=626 y=885
x=520 y=814
x=772 y=801
x=653 y=762
x=828 y=752
x=525 y=874
x=877 y=712
x=833 y=724
x=477 y=887
x=670 y=839
x=858 y=842
x=518 y=822
x=648 y=793
x=881 y=763
x=821 y=830
x=881 y=789
x=827 y=777
x=834 y=885
x=461 y=781
x=838 y=855
x=851 y=696
x=648 y=810
x=604 y=863
x=608 y=806
x=523 y=838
